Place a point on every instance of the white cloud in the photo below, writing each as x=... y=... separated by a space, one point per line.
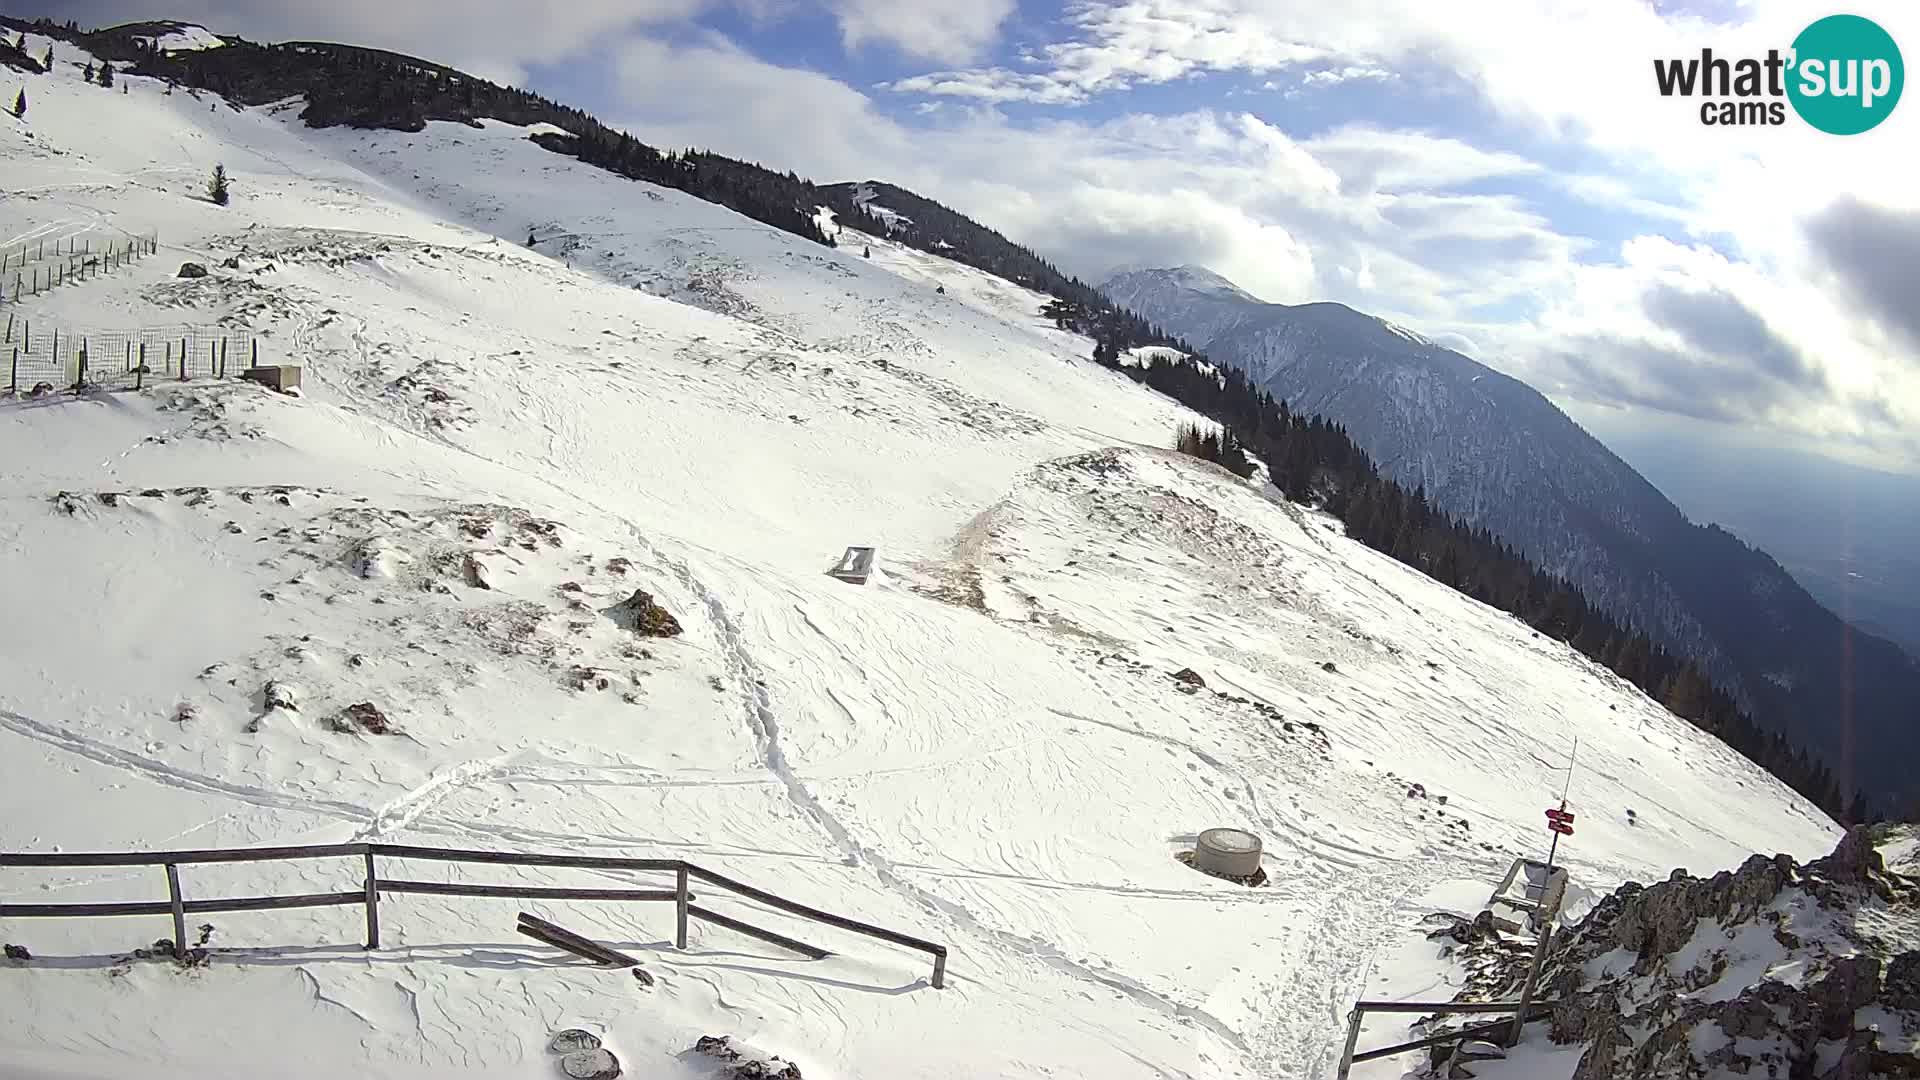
x=939 y=30
x=495 y=39
x=1350 y=73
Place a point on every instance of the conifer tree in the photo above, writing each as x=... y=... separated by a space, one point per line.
x=106 y=75
x=217 y=186
x=20 y=104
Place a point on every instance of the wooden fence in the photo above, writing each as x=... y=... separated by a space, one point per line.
x=1508 y=1031
x=34 y=352
x=373 y=886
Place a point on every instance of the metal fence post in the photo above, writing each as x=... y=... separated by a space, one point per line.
x=680 y=907
x=373 y=904
x=179 y=912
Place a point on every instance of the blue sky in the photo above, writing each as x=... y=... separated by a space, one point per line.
x=1500 y=174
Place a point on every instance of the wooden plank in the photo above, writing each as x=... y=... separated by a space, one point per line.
x=561 y=937
x=516 y=858
x=816 y=914
x=373 y=904
x=178 y=904
x=190 y=907
x=811 y=952
x=522 y=892
x=1444 y=1007
x=161 y=858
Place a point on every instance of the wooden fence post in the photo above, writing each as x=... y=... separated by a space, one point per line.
x=373 y=904
x=179 y=912
x=255 y=361
x=680 y=907
x=1353 y=1037
x=140 y=373
x=183 y=359
x=223 y=358
x=13 y=379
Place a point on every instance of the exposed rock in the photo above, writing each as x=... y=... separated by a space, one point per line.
x=640 y=614
x=597 y=1064
x=1853 y=861
x=475 y=572
x=742 y=1067
x=367 y=718
x=40 y=390
x=1903 y=981
x=17 y=952
x=1328 y=666
x=192 y=270
x=1189 y=676
x=280 y=695
x=1668 y=1012
x=641 y=976
x=573 y=1040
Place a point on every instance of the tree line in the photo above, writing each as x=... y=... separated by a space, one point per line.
x=1313 y=462
x=375 y=89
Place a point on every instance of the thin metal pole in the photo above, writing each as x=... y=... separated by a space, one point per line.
x=179 y=911
x=1353 y=1038
x=373 y=905
x=680 y=907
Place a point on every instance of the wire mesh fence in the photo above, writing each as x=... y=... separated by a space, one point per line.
x=34 y=267
x=42 y=358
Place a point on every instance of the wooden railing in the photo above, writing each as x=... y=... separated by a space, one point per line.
x=368 y=895
x=1506 y=1030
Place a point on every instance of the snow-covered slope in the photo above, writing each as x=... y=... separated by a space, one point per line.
x=984 y=745
x=1493 y=452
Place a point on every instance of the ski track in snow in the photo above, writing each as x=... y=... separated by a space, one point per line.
x=170 y=776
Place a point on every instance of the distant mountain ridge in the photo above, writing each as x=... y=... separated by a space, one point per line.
x=1494 y=452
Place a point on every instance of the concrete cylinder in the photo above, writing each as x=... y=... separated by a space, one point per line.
x=1227 y=853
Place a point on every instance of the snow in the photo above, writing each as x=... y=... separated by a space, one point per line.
x=981 y=746
x=864 y=196
x=186 y=37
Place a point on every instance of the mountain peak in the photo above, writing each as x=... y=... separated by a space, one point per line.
x=1187 y=276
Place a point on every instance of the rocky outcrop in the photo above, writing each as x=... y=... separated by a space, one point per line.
x=1641 y=981
x=640 y=614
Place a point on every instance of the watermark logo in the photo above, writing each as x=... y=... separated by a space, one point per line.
x=1843 y=75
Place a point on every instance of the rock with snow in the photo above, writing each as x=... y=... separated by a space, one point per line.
x=641 y=614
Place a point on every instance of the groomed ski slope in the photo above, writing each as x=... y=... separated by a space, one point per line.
x=983 y=745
